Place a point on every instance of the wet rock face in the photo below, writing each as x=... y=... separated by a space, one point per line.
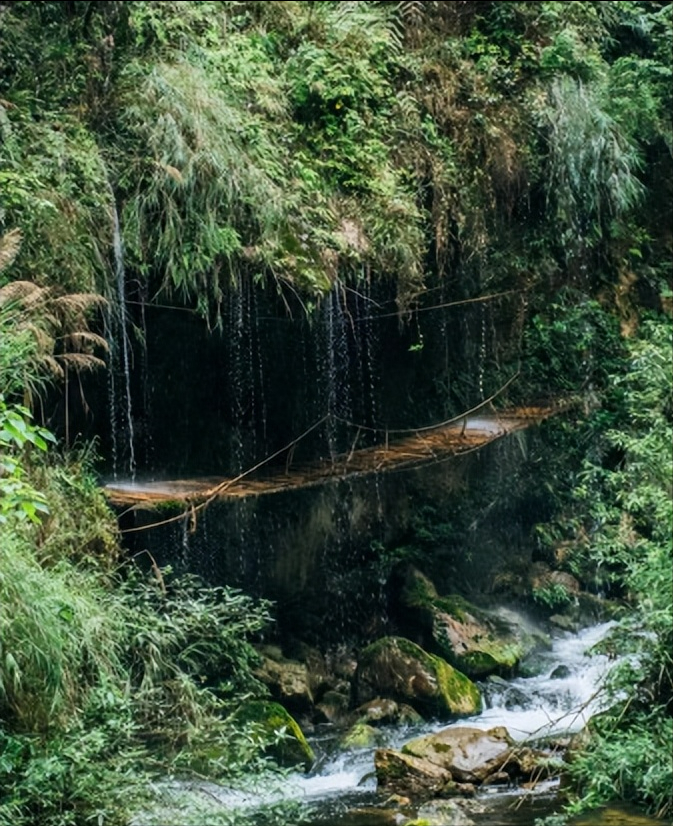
x=401 y=773
x=288 y=682
x=469 y=754
x=384 y=712
x=396 y=668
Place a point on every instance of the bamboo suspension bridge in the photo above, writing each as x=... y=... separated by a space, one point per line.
x=405 y=450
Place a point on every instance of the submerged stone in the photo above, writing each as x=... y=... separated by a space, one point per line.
x=397 y=668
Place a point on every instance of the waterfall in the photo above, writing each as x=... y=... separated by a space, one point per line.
x=120 y=357
x=336 y=365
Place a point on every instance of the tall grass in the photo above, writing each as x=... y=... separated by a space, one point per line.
x=61 y=634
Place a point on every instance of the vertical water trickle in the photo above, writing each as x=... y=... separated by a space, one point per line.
x=369 y=359
x=245 y=368
x=120 y=367
x=260 y=368
x=336 y=366
x=247 y=404
x=235 y=339
x=482 y=353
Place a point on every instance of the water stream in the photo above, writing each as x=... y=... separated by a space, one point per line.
x=556 y=700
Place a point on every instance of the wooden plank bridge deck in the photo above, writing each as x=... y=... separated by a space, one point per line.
x=413 y=450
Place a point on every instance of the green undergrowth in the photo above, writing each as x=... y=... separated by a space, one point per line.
x=303 y=144
x=111 y=677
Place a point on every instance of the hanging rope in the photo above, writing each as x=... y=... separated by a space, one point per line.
x=437 y=426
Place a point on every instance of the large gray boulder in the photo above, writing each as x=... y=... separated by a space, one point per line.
x=456 y=761
x=469 y=754
x=396 y=668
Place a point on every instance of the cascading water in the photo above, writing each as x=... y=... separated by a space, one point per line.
x=559 y=700
x=120 y=367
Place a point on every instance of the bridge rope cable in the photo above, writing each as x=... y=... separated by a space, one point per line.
x=426 y=428
x=444 y=305
x=211 y=494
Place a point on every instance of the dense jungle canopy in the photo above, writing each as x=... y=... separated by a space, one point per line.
x=173 y=154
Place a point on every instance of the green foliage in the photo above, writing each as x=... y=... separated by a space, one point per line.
x=86 y=533
x=299 y=141
x=55 y=187
x=466 y=146
x=94 y=670
x=593 y=165
x=96 y=665
x=571 y=346
x=630 y=761
x=60 y=635
x=618 y=529
x=18 y=498
x=552 y=596
x=45 y=334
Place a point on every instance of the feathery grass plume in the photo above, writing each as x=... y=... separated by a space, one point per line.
x=42 y=332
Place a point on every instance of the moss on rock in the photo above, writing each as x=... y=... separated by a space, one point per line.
x=476 y=641
x=398 y=668
x=278 y=732
x=361 y=736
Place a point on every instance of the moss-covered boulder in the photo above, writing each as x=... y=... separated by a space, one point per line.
x=399 y=669
x=277 y=733
x=476 y=641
